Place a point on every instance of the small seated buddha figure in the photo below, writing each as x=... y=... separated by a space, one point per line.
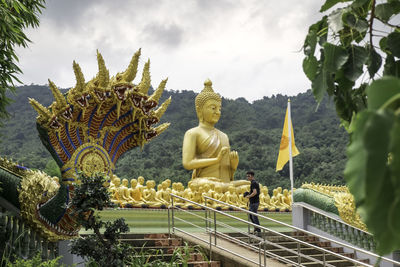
x=115 y=193
x=207 y=192
x=242 y=201
x=165 y=191
x=178 y=189
x=231 y=197
x=286 y=199
x=206 y=149
x=113 y=185
x=135 y=195
x=276 y=201
x=149 y=195
x=168 y=181
x=140 y=184
x=265 y=200
x=124 y=192
x=219 y=195
x=282 y=198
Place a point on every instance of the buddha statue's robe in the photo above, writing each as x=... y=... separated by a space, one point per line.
x=209 y=148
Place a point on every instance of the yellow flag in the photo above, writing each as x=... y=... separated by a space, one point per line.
x=283 y=156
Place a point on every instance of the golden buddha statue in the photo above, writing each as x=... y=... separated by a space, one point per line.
x=219 y=195
x=242 y=201
x=265 y=200
x=115 y=193
x=231 y=196
x=140 y=184
x=206 y=149
x=134 y=191
x=276 y=201
x=149 y=195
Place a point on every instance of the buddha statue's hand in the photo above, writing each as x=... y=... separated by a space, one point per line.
x=234 y=158
x=222 y=153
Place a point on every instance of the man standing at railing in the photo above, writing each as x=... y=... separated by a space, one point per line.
x=254 y=200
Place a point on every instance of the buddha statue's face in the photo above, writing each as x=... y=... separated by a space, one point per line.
x=141 y=180
x=117 y=181
x=125 y=182
x=133 y=183
x=211 y=112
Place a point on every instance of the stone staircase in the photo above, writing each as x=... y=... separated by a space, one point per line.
x=282 y=244
x=158 y=247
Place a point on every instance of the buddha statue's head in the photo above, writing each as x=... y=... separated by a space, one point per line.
x=125 y=182
x=140 y=180
x=205 y=100
x=133 y=183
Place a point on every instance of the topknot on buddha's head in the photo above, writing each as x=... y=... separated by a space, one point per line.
x=206 y=94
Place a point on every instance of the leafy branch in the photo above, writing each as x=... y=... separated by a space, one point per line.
x=370 y=111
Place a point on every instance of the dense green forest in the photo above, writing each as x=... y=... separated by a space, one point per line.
x=254 y=130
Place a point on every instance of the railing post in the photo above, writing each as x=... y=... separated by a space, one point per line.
x=265 y=254
x=323 y=257
x=259 y=254
x=169 y=220
x=215 y=228
x=298 y=253
x=205 y=213
x=173 y=218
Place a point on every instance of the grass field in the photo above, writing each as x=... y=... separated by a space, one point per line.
x=156 y=221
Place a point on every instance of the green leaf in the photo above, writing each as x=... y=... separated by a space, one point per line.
x=319 y=86
x=354 y=65
x=310 y=67
x=393 y=43
x=310 y=42
x=387 y=10
x=354 y=172
x=359 y=3
x=335 y=57
x=374 y=62
x=335 y=20
x=330 y=3
x=376 y=140
x=380 y=91
x=392 y=66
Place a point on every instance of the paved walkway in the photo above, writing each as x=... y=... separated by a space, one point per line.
x=227 y=254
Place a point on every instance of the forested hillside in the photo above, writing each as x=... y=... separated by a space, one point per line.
x=254 y=130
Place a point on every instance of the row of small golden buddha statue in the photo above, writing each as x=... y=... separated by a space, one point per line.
x=141 y=194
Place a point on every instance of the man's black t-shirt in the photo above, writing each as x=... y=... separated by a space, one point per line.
x=256 y=198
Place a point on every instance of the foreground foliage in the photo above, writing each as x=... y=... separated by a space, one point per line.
x=103 y=249
x=16 y=16
x=358 y=65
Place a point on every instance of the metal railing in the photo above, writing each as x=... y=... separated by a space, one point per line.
x=211 y=227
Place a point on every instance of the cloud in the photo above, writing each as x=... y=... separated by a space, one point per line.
x=167 y=35
x=248 y=48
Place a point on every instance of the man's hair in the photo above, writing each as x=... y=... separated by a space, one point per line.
x=251 y=173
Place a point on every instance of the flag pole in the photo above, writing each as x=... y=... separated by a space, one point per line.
x=290 y=149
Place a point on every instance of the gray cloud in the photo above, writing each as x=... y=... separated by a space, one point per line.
x=168 y=35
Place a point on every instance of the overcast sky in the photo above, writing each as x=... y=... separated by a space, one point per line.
x=248 y=48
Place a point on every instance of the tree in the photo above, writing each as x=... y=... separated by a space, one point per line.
x=15 y=17
x=103 y=249
x=358 y=65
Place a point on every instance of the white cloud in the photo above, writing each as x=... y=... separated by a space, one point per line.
x=247 y=48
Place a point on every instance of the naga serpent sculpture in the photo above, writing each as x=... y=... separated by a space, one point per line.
x=86 y=130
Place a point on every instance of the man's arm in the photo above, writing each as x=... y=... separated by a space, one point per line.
x=252 y=193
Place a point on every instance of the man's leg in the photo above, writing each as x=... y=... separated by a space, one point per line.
x=254 y=219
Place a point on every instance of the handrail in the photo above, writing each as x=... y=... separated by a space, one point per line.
x=269 y=230
x=307 y=232
x=330 y=216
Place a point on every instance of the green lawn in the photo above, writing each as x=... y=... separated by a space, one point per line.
x=156 y=221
